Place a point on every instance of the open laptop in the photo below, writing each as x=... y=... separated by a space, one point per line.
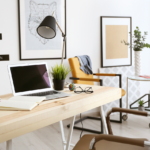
x=32 y=80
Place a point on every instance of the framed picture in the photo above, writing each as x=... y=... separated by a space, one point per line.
x=31 y=14
x=113 y=31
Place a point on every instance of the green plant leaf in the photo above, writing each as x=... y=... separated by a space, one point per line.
x=141 y=102
x=59 y=72
x=138 y=40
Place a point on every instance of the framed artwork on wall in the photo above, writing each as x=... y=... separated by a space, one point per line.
x=114 y=29
x=31 y=14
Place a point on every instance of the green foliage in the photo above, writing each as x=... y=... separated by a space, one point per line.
x=60 y=72
x=138 y=40
x=141 y=102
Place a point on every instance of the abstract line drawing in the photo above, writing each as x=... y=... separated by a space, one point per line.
x=38 y=11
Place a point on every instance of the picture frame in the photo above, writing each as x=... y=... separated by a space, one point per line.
x=114 y=29
x=31 y=13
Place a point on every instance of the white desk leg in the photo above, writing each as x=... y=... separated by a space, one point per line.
x=103 y=119
x=9 y=145
x=62 y=135
x=70 y=133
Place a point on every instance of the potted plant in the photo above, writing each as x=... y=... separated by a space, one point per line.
x=59 y=73
x=141 y=107
x=138 y=44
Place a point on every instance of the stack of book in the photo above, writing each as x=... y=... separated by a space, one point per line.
x=145 y=76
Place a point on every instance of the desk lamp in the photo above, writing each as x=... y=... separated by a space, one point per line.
x=47 y=30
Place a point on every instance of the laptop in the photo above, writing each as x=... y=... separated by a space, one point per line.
x=33 y=80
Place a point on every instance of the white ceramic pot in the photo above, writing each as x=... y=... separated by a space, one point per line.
x=141 y=108
x=137 y=55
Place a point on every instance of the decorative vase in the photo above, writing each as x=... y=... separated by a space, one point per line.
x=137 y=59
x=59 y=84
x=141 y=108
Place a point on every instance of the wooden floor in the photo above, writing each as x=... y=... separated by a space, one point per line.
x=49 y=137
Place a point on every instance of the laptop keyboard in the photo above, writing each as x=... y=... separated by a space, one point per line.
x=43 y=93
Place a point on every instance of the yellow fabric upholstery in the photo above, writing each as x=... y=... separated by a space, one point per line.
x=78 y=73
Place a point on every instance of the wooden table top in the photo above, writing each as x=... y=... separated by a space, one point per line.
x=17 y=123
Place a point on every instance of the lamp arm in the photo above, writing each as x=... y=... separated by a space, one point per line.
x=60 y=29
x=64 y=39
x=64 y=44
x=59 y=26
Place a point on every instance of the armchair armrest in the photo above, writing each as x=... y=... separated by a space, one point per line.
x=87 y=79
x=89 y=141
x=129 y=111
x=123 y=140
x=105 y=74
x=111 y=75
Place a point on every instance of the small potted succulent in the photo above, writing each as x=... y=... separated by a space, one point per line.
x=59 y=74
x=141 y=105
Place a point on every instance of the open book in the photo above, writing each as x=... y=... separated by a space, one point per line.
x=21 y=103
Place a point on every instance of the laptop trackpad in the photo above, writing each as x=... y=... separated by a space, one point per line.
x=49 y=97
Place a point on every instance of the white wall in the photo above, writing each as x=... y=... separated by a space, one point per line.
x=83 y=31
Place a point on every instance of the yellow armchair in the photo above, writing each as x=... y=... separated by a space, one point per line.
x=79 y=77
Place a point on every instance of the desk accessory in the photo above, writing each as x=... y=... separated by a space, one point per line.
x=59 y=74
x=87 y=90
x=72 y=87
x=47 y=30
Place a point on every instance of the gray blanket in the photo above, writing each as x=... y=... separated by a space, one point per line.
x=86 y=64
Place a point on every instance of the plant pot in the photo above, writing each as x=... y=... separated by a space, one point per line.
x=141 y=108
x=137 y=55
x=59 y=84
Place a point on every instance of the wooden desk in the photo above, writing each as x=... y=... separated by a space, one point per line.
x=17 y=123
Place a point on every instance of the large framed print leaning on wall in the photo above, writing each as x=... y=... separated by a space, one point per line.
x=113 y=31
x=31 y=14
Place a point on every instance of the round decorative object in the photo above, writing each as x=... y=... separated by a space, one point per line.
x=72 y=87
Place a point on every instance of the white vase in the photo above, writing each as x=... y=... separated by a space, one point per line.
x=137 y=55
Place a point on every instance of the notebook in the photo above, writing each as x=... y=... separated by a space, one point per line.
x=21 y=103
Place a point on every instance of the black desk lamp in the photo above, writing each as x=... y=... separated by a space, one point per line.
x=47 y=30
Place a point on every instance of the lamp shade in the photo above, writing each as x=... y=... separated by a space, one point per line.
x=47 y=29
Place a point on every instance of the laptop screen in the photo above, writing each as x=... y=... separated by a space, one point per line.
x=30 y=78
